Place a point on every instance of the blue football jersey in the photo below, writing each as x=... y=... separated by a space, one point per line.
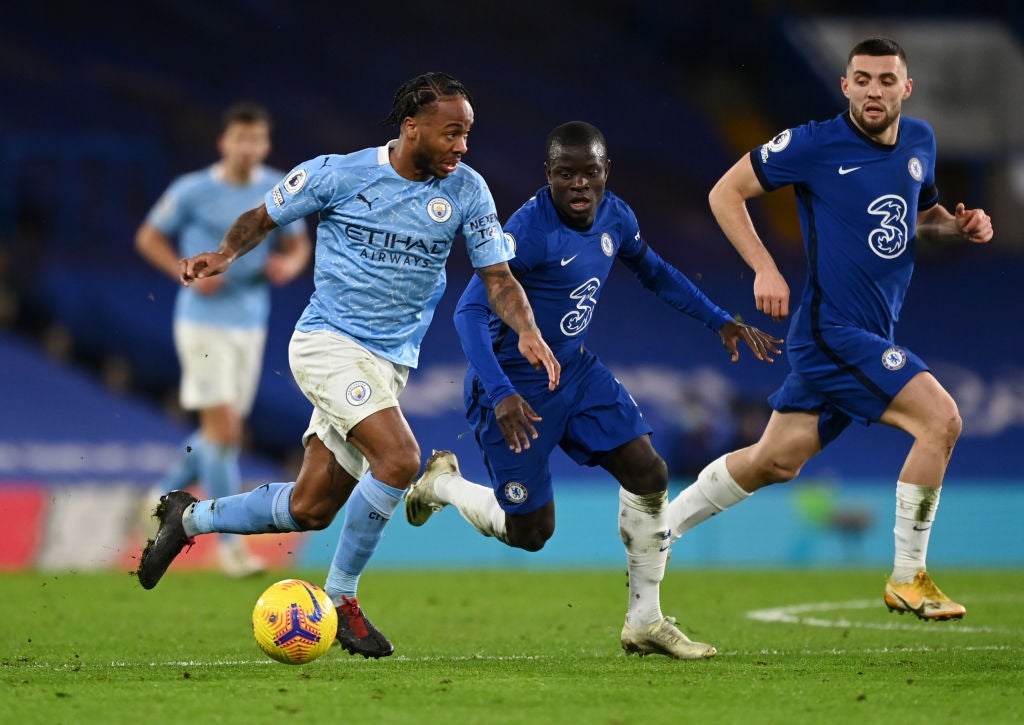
x=197 y=209
x=858 y=202
x=563 y=271
x=382 y=242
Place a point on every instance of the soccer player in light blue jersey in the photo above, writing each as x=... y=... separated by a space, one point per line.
x=388 y=219
x=567 y=238
x=220 y=323
x=865 y=189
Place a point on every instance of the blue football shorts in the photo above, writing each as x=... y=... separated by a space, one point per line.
x=590 y=413
x=846 y=374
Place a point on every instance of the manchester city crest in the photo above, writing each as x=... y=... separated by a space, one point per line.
x=358 y=393
x=440 y=209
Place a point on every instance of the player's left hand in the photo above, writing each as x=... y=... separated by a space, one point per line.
x=974 y=224
x=516 y=418
x=763 y=345
x=538 y=354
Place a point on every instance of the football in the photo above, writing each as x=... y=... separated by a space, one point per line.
x=294 y=621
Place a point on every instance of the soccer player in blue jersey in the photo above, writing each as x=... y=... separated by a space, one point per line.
x=388 y=219
x=866 y=194
x=220 y=324
x=567 y=237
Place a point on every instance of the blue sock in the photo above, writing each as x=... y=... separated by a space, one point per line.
x=186 y=469
x=368 y=510
x=219 y=471
x=264 y=510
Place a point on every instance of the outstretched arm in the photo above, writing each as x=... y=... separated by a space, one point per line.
x=251 y=228
x=677 y=290
x=728 y=201
x=936 y=224
x=508 y=300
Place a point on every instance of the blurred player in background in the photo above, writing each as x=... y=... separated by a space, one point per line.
x=388 y=219
x=865 y=188
x=567 y=237
x=220 y=322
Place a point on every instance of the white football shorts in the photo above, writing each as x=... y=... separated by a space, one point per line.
x=346 y=383
x=219 y=365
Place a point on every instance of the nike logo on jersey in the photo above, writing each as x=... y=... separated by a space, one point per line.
x=844 y=171
x=566 y=261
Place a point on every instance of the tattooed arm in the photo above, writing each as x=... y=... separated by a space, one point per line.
x=251 y=228
x=508 y=300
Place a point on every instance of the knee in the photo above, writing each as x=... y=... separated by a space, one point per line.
x=310 y=508
x=652 y=477
x=778 y=470
x=530 y=540
x=529 y=535
x=950 y=426
x=398 y=469
x=313 y=515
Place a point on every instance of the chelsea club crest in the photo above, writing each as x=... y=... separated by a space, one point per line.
x=894 y=358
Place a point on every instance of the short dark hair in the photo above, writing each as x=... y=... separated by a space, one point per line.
x=575 y=133
x=878 y=46
x=244 y=112
x=421 y=91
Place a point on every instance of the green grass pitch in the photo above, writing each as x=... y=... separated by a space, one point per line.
x=514 y=647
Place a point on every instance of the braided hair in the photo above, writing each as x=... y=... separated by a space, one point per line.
x=421 y=91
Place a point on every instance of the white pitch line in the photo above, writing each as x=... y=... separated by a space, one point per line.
x=793 y=614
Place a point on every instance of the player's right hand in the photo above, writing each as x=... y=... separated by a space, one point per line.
x=516 y=418
x=201 y=266
x=771 y=294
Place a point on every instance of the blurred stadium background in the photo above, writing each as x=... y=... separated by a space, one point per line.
x=103 y=104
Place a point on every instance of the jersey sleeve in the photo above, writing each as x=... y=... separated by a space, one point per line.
x=675 y=288
x=485 y=239
x=471 y=317
x=527 y=243
x=667 y=282
x=929 y=196
x=305 y=190
x=169 y=213
x=783 y=160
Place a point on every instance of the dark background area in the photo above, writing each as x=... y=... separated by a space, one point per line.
x=103 y=104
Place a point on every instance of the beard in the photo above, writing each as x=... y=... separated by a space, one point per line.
x=873 y=127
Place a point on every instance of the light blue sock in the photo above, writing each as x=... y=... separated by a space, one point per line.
x=368 y=510
x=264 y=510
x=219 y=471
x=186 y=469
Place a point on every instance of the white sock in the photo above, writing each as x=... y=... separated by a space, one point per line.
x=915 y=513
x=476 y=503
x=714 y=491
x=643 y=531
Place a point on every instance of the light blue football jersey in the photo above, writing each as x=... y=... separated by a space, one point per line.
x=197 y=209
x=382 y=242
